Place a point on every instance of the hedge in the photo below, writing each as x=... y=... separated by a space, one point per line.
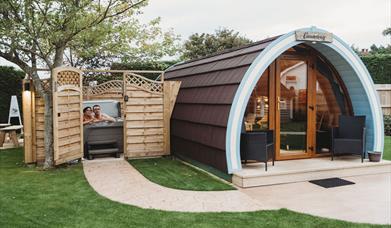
x=10 y=84
x=387 y=125
x=379 y=66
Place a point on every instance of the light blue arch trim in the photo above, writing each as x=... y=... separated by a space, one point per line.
x=266 y=57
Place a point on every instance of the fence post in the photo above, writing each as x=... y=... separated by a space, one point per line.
x=27 y=121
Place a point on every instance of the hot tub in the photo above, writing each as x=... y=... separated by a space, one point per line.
x=98 y=133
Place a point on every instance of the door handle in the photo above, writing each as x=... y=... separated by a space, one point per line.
x=311 y=107
x=278 y=103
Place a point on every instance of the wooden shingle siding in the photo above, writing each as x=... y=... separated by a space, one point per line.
x=224 y=77
x=254 y=47
x=208 y=135
x=208 y=95
x=231 y=63
x=216 y=115
x=199 y=152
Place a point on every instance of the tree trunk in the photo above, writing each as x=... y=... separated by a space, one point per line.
x=48 y=116
x=48 y=99
x=48 y=137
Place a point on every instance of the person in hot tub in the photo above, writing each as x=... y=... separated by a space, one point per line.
x=100 y=116
x=88 y=116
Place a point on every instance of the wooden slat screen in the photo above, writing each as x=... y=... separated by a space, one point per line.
x=143 y=121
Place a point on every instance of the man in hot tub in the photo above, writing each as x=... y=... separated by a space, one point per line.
x=100 y=116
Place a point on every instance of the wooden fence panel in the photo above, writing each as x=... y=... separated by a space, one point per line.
x=38 y=126
x=143 y=119
x=67 y=114
x=384 y=92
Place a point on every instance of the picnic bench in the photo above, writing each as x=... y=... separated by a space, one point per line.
x=11 y=130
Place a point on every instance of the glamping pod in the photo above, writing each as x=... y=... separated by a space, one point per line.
x=296 y=86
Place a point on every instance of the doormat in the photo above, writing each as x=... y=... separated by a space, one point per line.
x=331 y=182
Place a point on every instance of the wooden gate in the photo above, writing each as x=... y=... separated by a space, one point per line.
x=67 y=114
x=143 y=119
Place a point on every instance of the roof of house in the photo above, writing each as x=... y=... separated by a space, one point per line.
x=204 y=101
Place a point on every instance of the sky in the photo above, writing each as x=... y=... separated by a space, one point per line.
x=357 y=22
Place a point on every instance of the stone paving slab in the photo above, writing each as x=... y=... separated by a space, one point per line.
x=121 y=182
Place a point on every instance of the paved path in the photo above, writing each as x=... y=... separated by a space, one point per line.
x=369 y=200
x=117 y=180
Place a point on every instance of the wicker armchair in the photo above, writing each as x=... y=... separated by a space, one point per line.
x=349 y=137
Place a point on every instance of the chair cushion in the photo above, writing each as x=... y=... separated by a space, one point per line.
x=348 y=146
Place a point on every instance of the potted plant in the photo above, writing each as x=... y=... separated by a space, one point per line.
x=374 y=156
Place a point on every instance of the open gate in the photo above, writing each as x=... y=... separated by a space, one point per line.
x=67 y=114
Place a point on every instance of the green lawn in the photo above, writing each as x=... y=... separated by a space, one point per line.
x=62 y=198
x=387 y=148
x=175 y=174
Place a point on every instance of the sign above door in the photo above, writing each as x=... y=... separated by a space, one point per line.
x=324 y=37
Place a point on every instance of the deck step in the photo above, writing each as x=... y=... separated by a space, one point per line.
x=305 y=170
x=103 y=142
x=104 y=151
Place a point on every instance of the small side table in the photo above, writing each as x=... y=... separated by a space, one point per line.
x=11 y=130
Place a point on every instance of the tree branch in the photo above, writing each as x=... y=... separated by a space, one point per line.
x=103 y=17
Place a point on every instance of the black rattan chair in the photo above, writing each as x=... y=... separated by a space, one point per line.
x=349 y=137
x=258 y=146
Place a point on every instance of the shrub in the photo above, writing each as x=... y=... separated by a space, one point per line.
x=387 y=124
x=379 y=66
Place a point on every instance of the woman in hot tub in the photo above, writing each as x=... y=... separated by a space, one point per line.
x=99 y=116
x=88 y=116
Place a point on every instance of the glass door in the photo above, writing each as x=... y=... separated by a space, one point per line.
x=294 y=109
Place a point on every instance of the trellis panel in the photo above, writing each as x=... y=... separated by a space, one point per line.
x=107 y=90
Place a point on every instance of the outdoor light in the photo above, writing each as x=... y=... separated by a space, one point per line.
x=26 y=97
x=27 y=86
